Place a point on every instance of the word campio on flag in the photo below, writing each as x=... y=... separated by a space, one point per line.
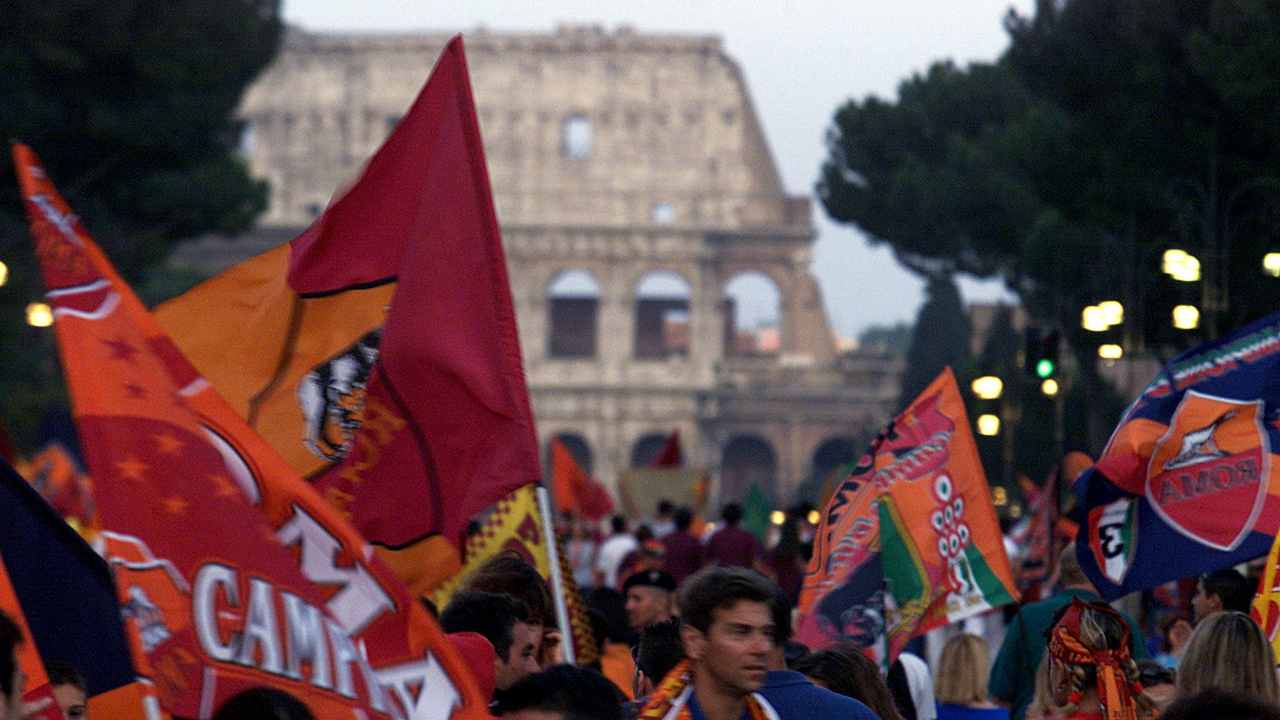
x=220 y=596
x=1188 y=481
x=909 y=541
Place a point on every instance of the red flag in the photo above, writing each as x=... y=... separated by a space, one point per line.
x=218 y=597
x=671 y=455
x=574 y=490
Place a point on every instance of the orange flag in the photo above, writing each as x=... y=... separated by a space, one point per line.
x=223 y=596
x=574 y=490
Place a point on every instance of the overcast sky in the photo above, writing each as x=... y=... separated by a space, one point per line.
x=801 y=58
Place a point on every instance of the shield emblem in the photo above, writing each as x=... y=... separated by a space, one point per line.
x=1207 y=477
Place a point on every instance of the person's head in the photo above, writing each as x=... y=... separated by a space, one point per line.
x=731 y=514
x=683 y=519
x=612 y=604
x=643 y=534
x=69 y=690
x=1221 y=705
x=1228 y=652
x=665 y=508
x=1175 y=632
x=1222 y=590
x=729 y=627
x=781 y=609
x=912 y=688
x=658 y=651
x=1089 y=653
x=263 y=703
x=504 y=622
x=1157 y=682
x=648 y=598
x=562 y=692
x=618 y=524
x=12 y=678
x=962 y=671
x=1070 y=574
x=844 y=669
x=509 y=574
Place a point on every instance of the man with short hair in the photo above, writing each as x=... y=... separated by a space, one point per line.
x=1221 y=590
x=731 y=545
x=648 y=596
x=684 y=552
x=1013 y=676
x=563 y=692
x=68 y=690
x=612 y=552
x=504 y=622
x=728 y=632
x=658 y=652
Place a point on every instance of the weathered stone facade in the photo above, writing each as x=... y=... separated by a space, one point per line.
x=613 y=155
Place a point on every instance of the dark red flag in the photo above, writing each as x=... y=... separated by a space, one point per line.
x=671 y=455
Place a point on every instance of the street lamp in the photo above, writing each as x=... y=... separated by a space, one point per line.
x=39 y=315
x=1094 y=319
x=777 y=517
x=1050 y=387
x=1180 y=265
x=987 y=387
x=4 y=273
x=988 y=425
x=1186 y=317
x=1110 y=351
x=1112 y=312
x=814 y=517
x=1270 y=264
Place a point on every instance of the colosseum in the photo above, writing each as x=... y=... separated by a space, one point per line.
x=634 y=187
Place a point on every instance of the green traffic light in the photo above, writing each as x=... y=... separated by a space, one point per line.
x=1044 y=368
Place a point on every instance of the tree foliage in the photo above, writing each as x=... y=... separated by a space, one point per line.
x=1108 y=131
x=130 y=104
x=939 y=338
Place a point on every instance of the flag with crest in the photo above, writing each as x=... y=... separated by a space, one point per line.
x=1187 y=483
x=231 y=571
x=910 y=540
x=378 y=351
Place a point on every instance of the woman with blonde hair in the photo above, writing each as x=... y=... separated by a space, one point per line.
x=960 y=683
x=1091 y=673
x=1228 y=652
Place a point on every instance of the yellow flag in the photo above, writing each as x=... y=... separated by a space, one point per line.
x=1266 y=604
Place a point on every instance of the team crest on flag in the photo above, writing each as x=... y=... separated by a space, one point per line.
x=1215 y=451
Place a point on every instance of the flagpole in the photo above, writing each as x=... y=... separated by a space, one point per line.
x=557 y=582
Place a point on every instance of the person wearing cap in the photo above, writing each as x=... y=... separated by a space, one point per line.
x=648 y=598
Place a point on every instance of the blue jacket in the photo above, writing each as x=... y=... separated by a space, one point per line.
x=794 y=696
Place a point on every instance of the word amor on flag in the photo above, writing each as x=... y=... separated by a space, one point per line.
x=1188 y=481
x=378 y=351
x=231 y=572
x=61 y=593
x=909 y=541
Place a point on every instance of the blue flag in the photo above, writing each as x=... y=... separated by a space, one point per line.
x=1190 y=480
x=64 y=588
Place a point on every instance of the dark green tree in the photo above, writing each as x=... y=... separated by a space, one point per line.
x=130 y=105
x=940 y=337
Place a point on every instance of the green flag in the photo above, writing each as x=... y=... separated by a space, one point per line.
x=755 y=513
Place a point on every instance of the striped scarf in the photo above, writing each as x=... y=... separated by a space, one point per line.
x=670 y=700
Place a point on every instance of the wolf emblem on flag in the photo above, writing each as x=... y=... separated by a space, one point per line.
x=332 y=397
x=1215 y=451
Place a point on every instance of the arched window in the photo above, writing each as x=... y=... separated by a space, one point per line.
x=573 y=302
x=575 y=137
x=646 y=449
x=745 y=461
x=753 y=316
x=662 y=316
x=832 y=456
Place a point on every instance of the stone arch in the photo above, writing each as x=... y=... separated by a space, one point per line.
x=747 y=460
x=573 y=308
x=662 y=304
x=578 y=447
x=646 y=448
x=830 y=455
x=753 y=305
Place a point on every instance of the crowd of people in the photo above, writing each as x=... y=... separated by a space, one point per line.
x=698 y=625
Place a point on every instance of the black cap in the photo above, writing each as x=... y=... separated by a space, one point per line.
x=650 y=578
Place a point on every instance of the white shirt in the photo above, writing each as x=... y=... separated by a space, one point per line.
x=610 y=556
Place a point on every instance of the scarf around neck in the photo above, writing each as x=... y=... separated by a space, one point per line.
x=670 y=700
